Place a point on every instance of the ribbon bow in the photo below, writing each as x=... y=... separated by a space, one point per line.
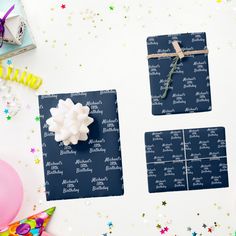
x=2 y=23
x=178 y=55
x=33 y=225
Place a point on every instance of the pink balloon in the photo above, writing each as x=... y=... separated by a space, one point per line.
x=11 y=194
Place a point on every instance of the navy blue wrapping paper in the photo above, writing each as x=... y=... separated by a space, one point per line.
x=92 y=168
x=190 y=90
x=187 y=159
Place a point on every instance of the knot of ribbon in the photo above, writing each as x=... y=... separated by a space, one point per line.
x=2 y=23
x=178 y=55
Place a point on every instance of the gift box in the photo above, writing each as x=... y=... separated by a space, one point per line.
x=17 y=37
x=188 y=159
x=179 y=73
x=90 y=168
x=14 y=28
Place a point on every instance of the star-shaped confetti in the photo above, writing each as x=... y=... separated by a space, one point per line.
x=8 y=117
x=164 y=203
x=194 y=234
x=63 y=6
x=37 y=118
x=111 y=7
x=166 y=229
x=162 y=231
x=210 y=230
x=37 y=161
x=6 y=111
x=32 y=150
x=189 y=229
x=219 y=1
x=204 y=226
x=158 y=226
x=109 y=224
x=9 y=62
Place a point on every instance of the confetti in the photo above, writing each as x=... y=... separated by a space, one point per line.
x=164 y=203
x=9 y=62
x=37 y=161
x=37 y=118
x=111 y=8
x=63 y=6
x=162 y=231
x=6 y=111
x=210 y=230
x=8 y=117
x=158 y=226
x=110 y=224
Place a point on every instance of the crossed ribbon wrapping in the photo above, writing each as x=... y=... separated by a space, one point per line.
x=2 y=23
x=178 y=55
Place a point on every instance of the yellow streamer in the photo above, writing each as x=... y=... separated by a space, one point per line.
x=22 y=77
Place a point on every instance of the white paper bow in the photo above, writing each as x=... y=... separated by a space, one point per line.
x=70 y=122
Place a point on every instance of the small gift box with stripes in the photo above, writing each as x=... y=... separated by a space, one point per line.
x=179 y=74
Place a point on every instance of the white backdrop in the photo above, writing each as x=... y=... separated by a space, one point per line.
x=87 y=46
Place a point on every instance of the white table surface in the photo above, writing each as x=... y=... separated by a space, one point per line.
x=87 y=47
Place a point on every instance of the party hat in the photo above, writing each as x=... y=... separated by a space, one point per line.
x=32 y=226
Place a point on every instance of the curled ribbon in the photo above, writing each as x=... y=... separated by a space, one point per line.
x=22 y=77
x=2 y=23
x=178 y=55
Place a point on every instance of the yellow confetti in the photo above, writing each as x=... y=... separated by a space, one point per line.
x=37 y=161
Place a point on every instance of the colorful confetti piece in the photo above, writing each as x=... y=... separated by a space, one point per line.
x=37 y=161
x=63 y=6
x=111 y=7
x=9 y=117
x=9 y=62
x=37 y=118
